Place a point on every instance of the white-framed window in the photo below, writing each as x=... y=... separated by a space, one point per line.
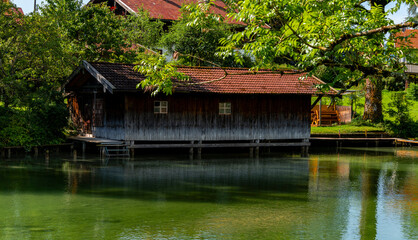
x=224 y=108
x=160 y=107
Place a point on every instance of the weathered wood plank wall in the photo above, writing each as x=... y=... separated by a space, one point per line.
x=196 y=117
x=114 y=118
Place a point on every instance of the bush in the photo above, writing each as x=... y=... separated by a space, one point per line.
x=359 y=121
x=40 y=123
x=413 y=91
x=403 y=125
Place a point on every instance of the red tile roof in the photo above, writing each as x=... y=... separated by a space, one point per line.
x=20 y=11
x=213 y=80
x=411 y=42
x=17 y=11
x=163 y=9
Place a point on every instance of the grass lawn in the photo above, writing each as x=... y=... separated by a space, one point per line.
x=343 y=129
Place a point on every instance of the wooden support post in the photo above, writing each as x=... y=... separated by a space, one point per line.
x=199 y=151
x=191 y=151
x=74 y=154
x=3 y=153
x=305 y=149
x=320 y=112
x=268 y=150
x=257 y=149
x=9 y=153
x=251 y=151
x=35 y=150
x=83 y=149
x=47 y=154
x=132 y=152
x=101 y=152
x=71 y=148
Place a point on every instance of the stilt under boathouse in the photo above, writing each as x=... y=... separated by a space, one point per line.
x=217 y=107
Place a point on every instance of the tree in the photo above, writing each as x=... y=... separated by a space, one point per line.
x=31 y=55
x=95 y=33
x=197 y=45
x=347 y=35
x=31 y=60
x=40 y=50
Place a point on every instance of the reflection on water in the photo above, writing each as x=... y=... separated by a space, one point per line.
x=354 y=194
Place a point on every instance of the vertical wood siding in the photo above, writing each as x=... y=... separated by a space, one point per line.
x=196 y=117
x=113 y=120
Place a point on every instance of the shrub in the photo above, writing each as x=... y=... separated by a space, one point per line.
x=359 y=121
x=413 y=91
x=40 y=123
x=403 y=125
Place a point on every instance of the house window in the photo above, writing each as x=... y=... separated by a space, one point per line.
x=160 y=107
x=225 y=108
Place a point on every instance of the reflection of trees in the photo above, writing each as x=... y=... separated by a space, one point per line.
x=410 y=192
x=328 y=188
x=369 y=180
x=75 y=174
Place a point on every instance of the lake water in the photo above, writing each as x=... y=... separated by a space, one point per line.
x=353 y=194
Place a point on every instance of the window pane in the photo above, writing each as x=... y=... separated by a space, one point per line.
x=225 y=108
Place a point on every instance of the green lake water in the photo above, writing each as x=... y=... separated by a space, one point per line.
x=353 y=194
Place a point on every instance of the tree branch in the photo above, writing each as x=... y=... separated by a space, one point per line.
x=383 y=29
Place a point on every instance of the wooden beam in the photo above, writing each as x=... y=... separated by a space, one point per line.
x=316 y=101
x=126 y=7
x=99 y=77
x=220 y=145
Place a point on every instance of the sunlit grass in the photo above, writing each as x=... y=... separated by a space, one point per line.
x=344 y=129
x=359 y=108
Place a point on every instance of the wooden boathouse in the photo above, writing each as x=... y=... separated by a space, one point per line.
x=217 y=107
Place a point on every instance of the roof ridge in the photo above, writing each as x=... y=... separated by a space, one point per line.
x=239 y=68
x=208 y=67
x=111 y=63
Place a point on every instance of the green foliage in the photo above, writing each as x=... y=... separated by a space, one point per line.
x=95 y=33
x=359 y=121
x=347 y=37
x=395 y=82
x=160 y=74
x=41 y=122
x=40 y=50
x=413 y=91
x=399 y=108
x=343 y=129
x=194 y=40
x=196 y=37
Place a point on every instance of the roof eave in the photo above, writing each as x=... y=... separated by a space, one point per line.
x=99 y=77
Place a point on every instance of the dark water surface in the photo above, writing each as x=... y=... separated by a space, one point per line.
x=355 y=194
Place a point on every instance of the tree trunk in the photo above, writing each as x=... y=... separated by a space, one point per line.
x=373 y=100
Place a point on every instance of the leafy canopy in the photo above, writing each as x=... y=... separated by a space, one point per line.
x=348 y=35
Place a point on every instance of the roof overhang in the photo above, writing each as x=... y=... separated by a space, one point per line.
x=107 y=86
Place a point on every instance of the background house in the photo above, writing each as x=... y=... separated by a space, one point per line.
x=163 y=10
x=409 y=39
